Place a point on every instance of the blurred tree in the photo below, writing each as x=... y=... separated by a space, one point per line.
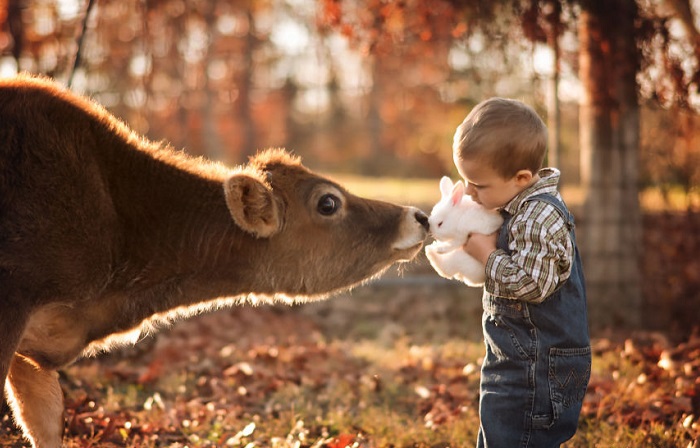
x=81 y=36
x=543 y=22
x=16 y=29
x=609 y=130
x=226 y=79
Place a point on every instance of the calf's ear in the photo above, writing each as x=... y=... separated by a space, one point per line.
x=252 y=205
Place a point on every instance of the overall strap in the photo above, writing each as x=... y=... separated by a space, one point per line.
x=503 y=238
x=559 y=206
x=569 y=219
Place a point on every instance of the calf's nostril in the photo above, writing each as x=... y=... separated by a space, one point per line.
x=422 y=218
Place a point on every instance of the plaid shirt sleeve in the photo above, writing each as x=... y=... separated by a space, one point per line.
x=540 y=259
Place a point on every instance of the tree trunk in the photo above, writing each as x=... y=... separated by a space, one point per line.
x=553 y=110
x=212 y=143
x=374 y=119
x=245 y=86
x=16 y=26
x=609 y=128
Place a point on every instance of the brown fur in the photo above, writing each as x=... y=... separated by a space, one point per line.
x=103 y=234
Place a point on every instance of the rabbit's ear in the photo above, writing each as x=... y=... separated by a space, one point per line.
x=457 y=193
x=445 y=186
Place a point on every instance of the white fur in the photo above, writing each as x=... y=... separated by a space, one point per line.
x=453 y=218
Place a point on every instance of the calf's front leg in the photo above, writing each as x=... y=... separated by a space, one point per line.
x=36 y=400
x=13 y=319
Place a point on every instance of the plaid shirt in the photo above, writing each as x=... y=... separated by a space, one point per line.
x=542 y=250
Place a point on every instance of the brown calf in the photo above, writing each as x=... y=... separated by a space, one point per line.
x=104 y=234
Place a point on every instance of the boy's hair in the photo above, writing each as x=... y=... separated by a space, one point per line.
x=506 y=134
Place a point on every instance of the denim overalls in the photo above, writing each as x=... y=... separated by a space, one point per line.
x=538 y=360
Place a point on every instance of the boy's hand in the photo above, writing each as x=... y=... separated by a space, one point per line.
x=480 y=246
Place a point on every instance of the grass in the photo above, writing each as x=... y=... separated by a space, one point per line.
x=282 y=385
x=374 y=395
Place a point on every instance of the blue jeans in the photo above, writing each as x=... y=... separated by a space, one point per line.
x=538 y=361
x=531 y=390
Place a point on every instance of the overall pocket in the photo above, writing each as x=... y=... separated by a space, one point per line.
x=569 y=372
x=511 y=339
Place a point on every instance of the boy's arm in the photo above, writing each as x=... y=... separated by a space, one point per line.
x=541 y=255
x=480 y=246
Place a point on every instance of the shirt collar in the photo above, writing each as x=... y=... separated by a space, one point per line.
x=549 y=180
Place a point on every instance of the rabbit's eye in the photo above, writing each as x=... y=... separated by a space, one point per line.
x=439 y=224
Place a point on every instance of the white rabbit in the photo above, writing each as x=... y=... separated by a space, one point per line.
x=452 y=219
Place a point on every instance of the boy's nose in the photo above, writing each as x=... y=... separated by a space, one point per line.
x=470 y=190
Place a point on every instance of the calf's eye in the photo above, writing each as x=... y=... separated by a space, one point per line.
x=328 y=204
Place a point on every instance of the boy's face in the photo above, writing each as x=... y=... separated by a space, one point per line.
x=488 y=188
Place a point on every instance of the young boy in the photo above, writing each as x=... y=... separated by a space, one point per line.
x=538 y=354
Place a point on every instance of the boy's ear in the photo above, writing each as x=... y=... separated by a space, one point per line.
x=457 y=193
x=523 y=177
x=252 y=205
x=446 y=186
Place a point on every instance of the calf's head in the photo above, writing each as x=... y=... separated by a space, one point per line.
x=321 y=237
